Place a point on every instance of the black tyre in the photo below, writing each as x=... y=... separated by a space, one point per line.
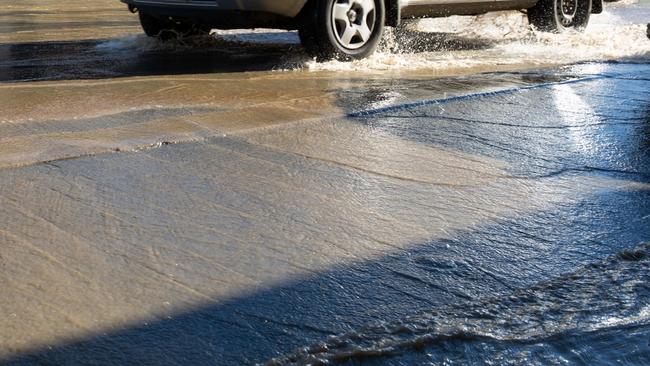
x=560 y=15
x=167 y=28
x=342 y=29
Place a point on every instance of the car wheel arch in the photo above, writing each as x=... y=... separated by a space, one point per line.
x=393 y=11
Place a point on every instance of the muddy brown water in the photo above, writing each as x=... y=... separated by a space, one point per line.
x=455 y=199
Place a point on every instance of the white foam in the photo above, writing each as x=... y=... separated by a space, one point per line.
x=508 y=39
x=263 y=36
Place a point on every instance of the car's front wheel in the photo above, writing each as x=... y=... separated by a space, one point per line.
x=166 y=28
x=560 y=15
x=343 y=29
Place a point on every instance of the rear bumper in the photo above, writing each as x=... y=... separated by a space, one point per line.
x=283 y=8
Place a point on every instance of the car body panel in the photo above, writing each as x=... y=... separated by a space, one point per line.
x=285 y=8
x=440 y=8
x=282 y=13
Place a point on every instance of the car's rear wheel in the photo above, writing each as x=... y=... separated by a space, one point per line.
x=560 y=15
x=342 y=29
x=166 y=28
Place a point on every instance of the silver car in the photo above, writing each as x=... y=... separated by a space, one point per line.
x=343 y=29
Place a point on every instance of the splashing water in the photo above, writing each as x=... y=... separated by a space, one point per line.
x=504 y=38
x=499 y=40
x=442 y=45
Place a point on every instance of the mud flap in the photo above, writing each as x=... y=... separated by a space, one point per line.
x=596 y=6
x=393 y=13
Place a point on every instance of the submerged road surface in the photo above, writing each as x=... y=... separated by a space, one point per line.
x=230 y=202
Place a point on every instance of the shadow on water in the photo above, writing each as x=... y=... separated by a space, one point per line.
x=484 y=262
x=645 y=126
x=138 y=55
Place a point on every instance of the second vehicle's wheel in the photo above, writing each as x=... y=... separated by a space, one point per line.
x=167 y=28
x=560 y=15
x=342 y=29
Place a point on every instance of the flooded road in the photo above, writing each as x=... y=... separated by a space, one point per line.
x=477 y=192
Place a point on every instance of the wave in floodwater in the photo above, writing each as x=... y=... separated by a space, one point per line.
x=504 y=38
x=599 y=314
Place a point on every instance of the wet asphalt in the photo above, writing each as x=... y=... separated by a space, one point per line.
x=210 y=207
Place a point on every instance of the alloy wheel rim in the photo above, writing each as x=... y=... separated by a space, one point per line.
x=353 y=22
x=567 y=10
